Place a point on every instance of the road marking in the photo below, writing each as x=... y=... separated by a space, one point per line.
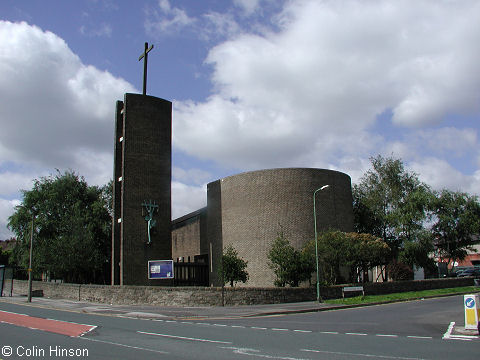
x=50 y=325
x=238 y=326
x=256 y=353
x=258 y=328
x=419 y=337
x=276 y=329
x=448 y=334
x=329 y=332
x=386 y=335
x=303 y=331
x=185 y=338
x=221 y=325
x=449 y=330
x=124 y=345
x=359 y=354
x=356 y=334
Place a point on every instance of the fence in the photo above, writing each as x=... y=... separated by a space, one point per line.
x=190 y=273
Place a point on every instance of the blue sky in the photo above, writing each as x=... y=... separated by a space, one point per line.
x=255 y=84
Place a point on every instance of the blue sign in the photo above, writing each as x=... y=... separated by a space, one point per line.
x=470 y=303
x=160 y=269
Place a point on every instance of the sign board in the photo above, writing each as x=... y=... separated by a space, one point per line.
x=472 y=311
x=160 y=269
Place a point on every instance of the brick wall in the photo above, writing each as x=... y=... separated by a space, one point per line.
x=249 y=210
x=186 y=235
x=143 y=158
x=212 y=296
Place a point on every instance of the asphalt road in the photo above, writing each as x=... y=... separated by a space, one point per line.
x=411 y=330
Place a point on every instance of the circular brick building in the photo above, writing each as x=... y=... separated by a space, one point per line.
x=249 y=210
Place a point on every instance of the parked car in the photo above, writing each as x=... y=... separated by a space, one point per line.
x=470 y=272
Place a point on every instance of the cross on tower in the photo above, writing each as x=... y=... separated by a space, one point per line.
x=145 y=57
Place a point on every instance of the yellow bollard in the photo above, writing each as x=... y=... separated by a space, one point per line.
x=472 y=311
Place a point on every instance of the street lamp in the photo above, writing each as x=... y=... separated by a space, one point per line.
x=29 y=298
x=316 y=240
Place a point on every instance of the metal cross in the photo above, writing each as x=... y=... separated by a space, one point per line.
x=145 y=57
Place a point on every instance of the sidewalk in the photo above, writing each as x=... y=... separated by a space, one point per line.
x=172 y=312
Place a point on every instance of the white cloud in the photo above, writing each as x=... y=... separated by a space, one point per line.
x=191 y=176
x=6 y=209
x=441 y=175
x=314 y=88
x=103 y=30
x=186 y=198
x=55 y=113
x=11 y=182
x=166 y=19
x=248 y=6
x=55 y=109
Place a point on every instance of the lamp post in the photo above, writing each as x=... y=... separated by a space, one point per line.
x=30 y=262
x=316 y=240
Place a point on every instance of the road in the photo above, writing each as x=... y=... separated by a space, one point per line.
x=411 y=330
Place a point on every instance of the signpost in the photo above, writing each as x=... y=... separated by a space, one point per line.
x=472 y=311
x=160 y=269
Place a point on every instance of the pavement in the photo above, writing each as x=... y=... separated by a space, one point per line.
x=173 y=312
x=196 y=313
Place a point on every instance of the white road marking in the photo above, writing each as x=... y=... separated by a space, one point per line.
x=329 y=332
x=386 y=335
x=124 y=345
x=256 y=353
x=419 y=337
x=358 y=354
x=276 y=329
x=258 y=328
x=356 y=334
x=184 y=338
x=449 y=330
x=303 y=331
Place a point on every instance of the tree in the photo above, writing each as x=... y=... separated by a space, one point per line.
x=357 y=252
x=332 y=249
x=72 y=229
x=391 y=203
x=456 y=224
x=289 y=265
x=5 y=256
x=418 y=253
x=365 y=252
x=233 y=268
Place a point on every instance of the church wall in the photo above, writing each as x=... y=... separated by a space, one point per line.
x=249 y=210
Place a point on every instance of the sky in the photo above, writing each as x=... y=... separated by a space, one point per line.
x=255 y=84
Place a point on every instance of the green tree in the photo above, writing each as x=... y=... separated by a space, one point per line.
x=5 y=256
x=391 y=203
x=332 y=249
x=357 y=252
x=233 y=268
x=364 y=252
x=289 y=265
x=72 y=229
x=456 y=224
x=418 y=253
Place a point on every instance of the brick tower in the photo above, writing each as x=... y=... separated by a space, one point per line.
x=142 y=179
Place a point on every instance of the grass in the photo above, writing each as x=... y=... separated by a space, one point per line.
x=410 y=295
